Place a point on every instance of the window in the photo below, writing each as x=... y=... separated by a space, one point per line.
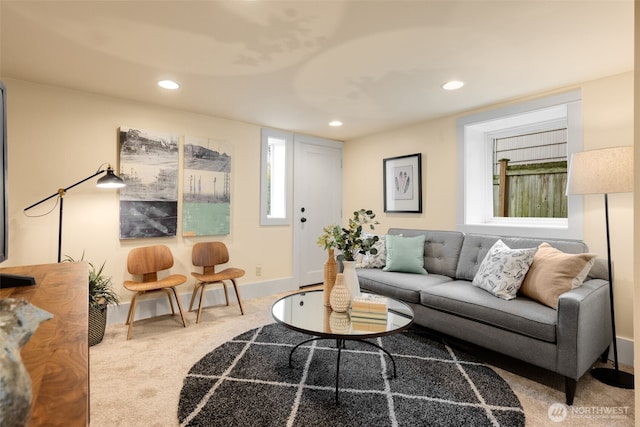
x=540 y=134
x=275 y=177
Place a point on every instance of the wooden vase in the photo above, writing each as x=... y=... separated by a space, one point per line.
x=330 y=271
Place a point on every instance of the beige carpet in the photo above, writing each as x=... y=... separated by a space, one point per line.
x=138 y=382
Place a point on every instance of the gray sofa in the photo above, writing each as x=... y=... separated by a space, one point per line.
x=567 y=341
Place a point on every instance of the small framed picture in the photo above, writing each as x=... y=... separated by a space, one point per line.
x=403 y=183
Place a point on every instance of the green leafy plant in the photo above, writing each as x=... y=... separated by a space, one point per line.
x=101 y=293
x=349 y=241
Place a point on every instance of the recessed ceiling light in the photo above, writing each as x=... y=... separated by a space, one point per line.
x=168 y=84
x=335 y=123
x=452 y=85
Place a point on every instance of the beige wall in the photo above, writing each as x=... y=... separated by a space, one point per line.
x=363 y=162
x=57 y=137
x=608 y=121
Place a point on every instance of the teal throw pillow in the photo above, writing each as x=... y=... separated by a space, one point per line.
x=405 y=254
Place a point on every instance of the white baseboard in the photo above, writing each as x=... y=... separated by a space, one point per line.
x=625 y=352
x=159 y=305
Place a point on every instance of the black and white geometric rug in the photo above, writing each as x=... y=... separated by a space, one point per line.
x=248 y=382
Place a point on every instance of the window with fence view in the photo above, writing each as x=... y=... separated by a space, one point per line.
x=530 y=174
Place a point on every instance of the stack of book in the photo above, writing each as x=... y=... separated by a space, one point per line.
x=369 y=313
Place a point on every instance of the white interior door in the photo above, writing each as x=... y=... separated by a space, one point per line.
x=317 y=202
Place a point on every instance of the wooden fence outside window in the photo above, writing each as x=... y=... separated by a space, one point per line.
x=530 y=191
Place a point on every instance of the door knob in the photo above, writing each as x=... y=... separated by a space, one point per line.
x=303 y=219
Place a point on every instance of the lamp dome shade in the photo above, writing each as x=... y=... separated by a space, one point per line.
x=110 y=180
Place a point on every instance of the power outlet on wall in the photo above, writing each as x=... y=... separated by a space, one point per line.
x=258 y=270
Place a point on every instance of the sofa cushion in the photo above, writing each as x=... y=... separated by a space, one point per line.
x=521 y=315
x=553 y=273
x=503 y=270
x=475 y=248
x=441 y=249
x=405 y=254
x=402 y=286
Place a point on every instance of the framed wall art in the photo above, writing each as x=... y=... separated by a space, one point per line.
x=206 y=203
x=149 y=167
x=403 y=183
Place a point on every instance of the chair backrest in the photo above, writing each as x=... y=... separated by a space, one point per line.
x=209 y=254
x=148 y=260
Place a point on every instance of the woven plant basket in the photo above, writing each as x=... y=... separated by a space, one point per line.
x=97 y=324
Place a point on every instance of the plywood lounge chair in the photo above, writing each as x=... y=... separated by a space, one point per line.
x=147 y=262
x=208 y=255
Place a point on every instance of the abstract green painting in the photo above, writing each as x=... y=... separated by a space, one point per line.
x=206 y=207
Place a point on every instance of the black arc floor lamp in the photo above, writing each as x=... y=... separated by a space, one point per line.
x=609 y=170
x=110 y=180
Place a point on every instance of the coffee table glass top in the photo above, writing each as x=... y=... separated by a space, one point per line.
x=305 y=312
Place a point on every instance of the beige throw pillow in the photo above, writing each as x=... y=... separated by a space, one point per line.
x=553 y=273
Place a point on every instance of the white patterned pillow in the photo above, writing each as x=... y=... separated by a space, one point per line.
x=373 y=261
x=503 y=270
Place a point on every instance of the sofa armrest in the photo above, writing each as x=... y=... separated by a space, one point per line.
x=583 y=327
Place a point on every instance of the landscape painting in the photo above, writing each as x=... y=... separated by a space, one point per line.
x=206 y=207
x=149 y=168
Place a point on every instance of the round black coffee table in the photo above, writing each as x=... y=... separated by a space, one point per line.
x=305 y=312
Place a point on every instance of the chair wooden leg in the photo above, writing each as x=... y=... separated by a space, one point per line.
x=201 y=302
x=131 y=316
x=130 y=310
x=226 y=293
x=175 y=293
x=173 y=311
x=202 y=287
x=193 y=295
x=235 y=286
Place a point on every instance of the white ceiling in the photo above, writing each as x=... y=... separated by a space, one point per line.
x=296 y=65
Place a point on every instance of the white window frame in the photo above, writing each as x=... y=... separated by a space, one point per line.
x=284 y=179
x=475 y=167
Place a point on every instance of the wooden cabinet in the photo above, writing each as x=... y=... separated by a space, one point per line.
x=57 y=355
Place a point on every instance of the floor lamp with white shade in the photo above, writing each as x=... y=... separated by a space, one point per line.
x=604 y=171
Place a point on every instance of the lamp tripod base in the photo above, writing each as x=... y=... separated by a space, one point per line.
x=613 y=377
